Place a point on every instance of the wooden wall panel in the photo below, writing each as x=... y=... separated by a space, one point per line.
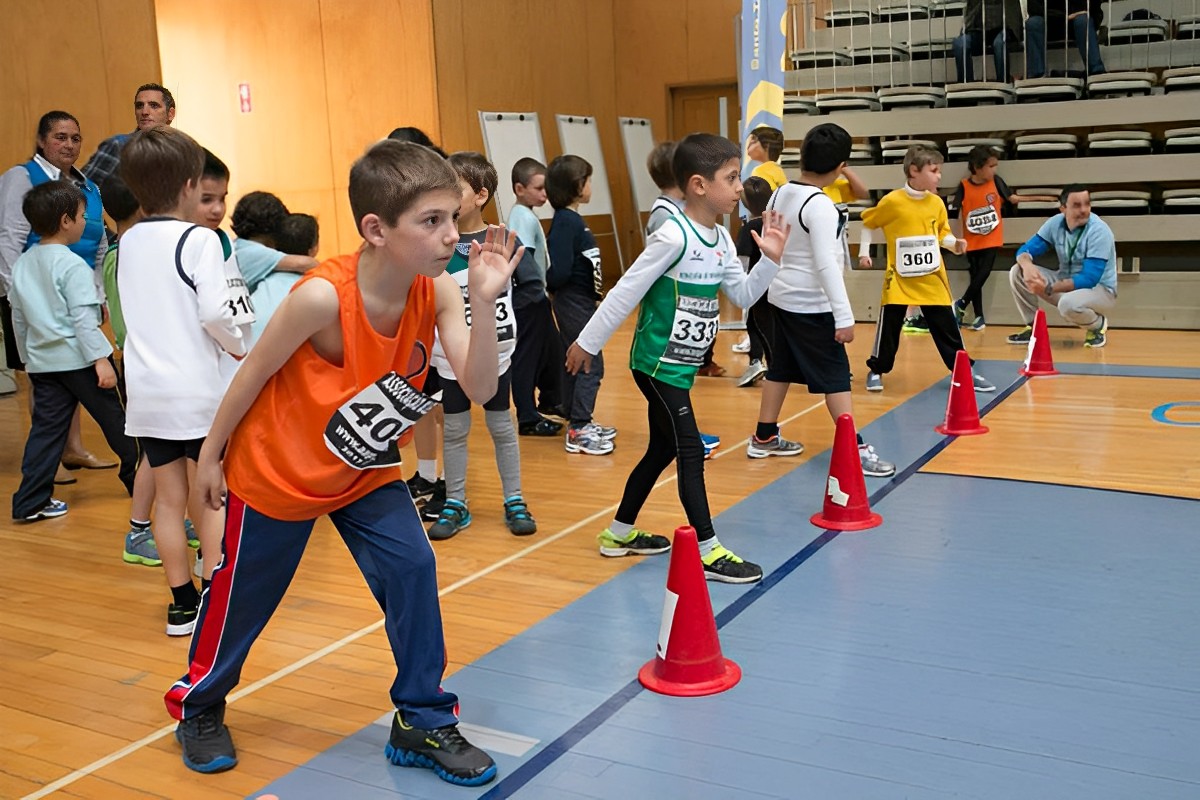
x=323 y=87
x=79 y=57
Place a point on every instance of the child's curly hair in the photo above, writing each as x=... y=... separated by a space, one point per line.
x=258 y=215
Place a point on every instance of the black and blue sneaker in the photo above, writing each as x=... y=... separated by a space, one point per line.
x=207 y=745
x=443 y=750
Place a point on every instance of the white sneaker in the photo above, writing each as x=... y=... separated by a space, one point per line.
x=198 y=568
x=872 y=465
x=743 y=346
x=753 y=372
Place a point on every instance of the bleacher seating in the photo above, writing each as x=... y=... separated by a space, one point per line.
x=1119 y=143
x=959 y=149
x=897 y=62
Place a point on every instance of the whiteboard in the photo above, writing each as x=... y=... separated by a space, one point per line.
x=638 y=139
x=509 y=136
x=579 y=136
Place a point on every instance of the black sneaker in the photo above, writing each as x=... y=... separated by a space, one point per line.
x=207 y=745
x=543 y=427
x=432 y=510
x=181 y=621
x=722 y=565
x=549 y=410
x=422 y=489
x=1022 y=336
x=443 y=750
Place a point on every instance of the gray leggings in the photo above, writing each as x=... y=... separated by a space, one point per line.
x=1082 y=307
x=457 y=428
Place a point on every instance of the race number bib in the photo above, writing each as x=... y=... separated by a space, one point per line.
x=982 y=221
x=917 y=256
x=364 y=432
x=239 y=295
x=506 y=324
x=593 y=255
x=692 y=330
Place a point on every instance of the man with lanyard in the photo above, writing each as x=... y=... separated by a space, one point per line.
x=152 y=105
x=1084 y=289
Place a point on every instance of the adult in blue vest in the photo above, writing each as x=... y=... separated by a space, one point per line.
x=58 y=144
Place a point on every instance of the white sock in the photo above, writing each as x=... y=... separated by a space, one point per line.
x=427 y=468
x=708 y=545
x=621 y=530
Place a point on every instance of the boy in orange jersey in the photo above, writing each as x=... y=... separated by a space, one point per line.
x=313 y=422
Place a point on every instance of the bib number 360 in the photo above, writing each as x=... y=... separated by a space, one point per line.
x=365 y=430
x=917 y=255
x=692 y=330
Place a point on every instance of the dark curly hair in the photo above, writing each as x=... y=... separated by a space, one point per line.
x=258 y=215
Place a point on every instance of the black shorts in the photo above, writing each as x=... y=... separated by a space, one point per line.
x=805 y=352
x=455 y=400
x=160 y=452
x=12 y=356
x=433 y=384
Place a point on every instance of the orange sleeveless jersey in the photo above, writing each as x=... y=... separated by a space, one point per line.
x=981 y=208
x=281 y=457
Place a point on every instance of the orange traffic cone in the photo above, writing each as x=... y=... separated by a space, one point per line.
x=1038 y=360
x=688 y=662
x=962 y=412
x=846 y=507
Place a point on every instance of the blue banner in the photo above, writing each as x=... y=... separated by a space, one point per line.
x=764 y=54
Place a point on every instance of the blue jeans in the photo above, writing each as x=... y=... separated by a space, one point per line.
x=1082 y=32
x=968 y=44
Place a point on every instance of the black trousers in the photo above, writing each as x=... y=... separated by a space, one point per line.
x=538 y=360
x=674 y=436
x=760 y=327
x=979 y=267
x=942 y=326
x=55 y=397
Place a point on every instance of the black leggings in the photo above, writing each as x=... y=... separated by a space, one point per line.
x=674 y=436
x=760 y=327
x=979 y=266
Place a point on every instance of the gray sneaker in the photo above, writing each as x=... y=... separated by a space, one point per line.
x=874 y=382
x=982 y=384
x=140 y=548
x=582 y=440
x=753 y=372
x=872 y=465
x=775 y=446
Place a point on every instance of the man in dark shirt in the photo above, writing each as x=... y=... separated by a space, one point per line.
x=152 y=105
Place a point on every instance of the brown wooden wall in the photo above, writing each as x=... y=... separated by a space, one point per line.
x=82 y=56
x=328 y=78
x=603 y=58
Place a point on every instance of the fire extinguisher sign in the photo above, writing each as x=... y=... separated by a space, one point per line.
x=244 y=97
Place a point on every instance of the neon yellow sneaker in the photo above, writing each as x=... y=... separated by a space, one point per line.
x=722 y=565
x=639 y=543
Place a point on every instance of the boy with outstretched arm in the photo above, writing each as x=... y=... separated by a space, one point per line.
x=312 y=424
x=676 y=279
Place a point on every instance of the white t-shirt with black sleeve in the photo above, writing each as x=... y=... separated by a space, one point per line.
x=178 y=318
x=810 y=277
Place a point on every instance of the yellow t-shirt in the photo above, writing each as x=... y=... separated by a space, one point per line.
x=840 y=192
x=772 y=173
x=900 y=215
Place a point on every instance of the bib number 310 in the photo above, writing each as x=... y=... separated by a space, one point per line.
x=365 y=430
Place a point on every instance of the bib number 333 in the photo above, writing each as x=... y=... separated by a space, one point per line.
x=692 y=330
x=365 y=431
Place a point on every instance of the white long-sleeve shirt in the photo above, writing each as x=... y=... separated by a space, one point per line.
x=699 y=263
x=810 y=279
x=176 y=303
